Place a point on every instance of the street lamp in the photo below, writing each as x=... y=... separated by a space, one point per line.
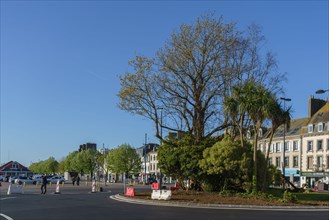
x=145 y=159
x=284 y=140
x=321 y=91
x=161 y=141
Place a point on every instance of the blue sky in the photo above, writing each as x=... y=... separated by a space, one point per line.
x=60 y=62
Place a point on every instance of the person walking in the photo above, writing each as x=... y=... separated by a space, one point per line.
x=73 y=180
x=43 y=184
x=78 y=181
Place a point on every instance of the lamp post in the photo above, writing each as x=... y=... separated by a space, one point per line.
x=145 y=159
x=160 y=144
x=284 y=140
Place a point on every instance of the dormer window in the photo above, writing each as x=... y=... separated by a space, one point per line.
x=310 y=128
x=320 y=127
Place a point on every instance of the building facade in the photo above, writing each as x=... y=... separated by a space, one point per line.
x=306 y=147
x=13 y=168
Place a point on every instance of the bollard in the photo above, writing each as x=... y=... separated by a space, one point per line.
x=23 y=184
x=51 y=183
x=86 y=183
x=63 y=183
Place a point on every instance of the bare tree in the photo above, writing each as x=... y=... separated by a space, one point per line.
x=189 y=77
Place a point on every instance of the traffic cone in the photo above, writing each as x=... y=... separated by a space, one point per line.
x=93 y=187
x=57 y=188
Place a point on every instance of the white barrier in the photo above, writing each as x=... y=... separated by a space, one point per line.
x=161 y=194
x=165 y=194
x=14 y=188
x=156 y=194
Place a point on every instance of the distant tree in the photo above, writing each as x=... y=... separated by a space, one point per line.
x=69 y=162
x=88 y=160
x=49 y=166
x=124 y=159
x=61 y=167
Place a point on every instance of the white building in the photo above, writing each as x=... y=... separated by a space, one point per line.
x=306 y=146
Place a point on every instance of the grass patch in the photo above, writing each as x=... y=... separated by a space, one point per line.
x=274 y=197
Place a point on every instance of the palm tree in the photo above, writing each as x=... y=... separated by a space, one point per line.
x=278 y=116
x=254 y=101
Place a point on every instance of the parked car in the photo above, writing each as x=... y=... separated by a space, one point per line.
x=55 y=178
x=11 y=179
x=24 y=179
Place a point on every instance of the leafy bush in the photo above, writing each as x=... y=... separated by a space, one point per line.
x=289 y=197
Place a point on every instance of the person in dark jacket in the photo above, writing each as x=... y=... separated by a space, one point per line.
x=78 y=180
x=43 y=185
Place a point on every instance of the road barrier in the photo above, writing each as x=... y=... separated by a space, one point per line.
x=15 y=188
x=130 y=191
x=161 y=194
x=155 y=186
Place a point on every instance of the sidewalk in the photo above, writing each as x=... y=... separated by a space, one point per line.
x=216 y=206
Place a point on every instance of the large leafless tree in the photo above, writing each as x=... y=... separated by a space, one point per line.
x=189 y=77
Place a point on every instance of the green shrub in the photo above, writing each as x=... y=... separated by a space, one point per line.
x=289 y=197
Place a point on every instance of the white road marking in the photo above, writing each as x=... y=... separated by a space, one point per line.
x=6 y=216
x=7 y=198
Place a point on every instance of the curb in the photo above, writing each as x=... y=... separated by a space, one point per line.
x=120 y=198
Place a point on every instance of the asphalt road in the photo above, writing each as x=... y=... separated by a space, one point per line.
x=79 y=203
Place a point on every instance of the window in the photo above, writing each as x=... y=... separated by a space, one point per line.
x=320 y=127
x=286 y=161
x=327 y=145
x=277 y=161
x=310 y=162
x=272 y=146
x=295 y=146
x=277 y=147
x=295 y=161
x=310 y=128
x=286 y=146
x=327 y=162
x=320 y=163
x=309 y=145
x=14 y=166
x=319 y=145
x=270 y=161
x=260 y=132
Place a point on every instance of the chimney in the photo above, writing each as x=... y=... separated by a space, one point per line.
x=314 y=105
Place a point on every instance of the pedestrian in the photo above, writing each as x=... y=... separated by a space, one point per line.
x=43 y=184
x=78 y=181
x=73 y=180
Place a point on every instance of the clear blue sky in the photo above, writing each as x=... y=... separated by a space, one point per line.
x=60 y=63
